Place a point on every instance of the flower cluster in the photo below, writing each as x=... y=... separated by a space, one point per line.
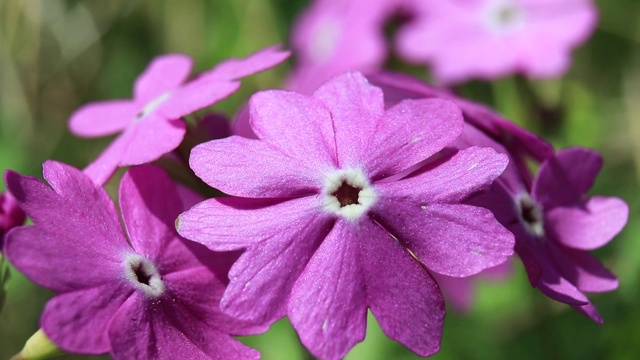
x=355 y=193
x=458 y=39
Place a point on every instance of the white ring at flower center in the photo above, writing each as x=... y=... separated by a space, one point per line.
x=503 y=15
x=531 y=215
x=151 y=106
x=324 y=41
x=354 y=178
x=136 y=265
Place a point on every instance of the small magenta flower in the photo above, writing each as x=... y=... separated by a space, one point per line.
x=150 y=123
x=328 y=231
x=142 y=293
x=556 y=223
x=11 y=215
x=492 y=38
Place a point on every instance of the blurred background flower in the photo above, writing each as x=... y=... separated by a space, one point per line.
x=57 y=55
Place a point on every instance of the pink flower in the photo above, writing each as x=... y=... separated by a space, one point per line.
x=141 y=293
x=335 y=36
x=150 y=123
x=463 y=39
x=328 y=232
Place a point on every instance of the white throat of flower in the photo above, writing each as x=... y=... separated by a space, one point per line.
x=348 y=193
x=503 y=16
x=143 y=274
x=151 y=106
x=324 y=40
x=531 y=215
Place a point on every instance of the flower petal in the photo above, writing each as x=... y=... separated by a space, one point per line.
x=296 y=124
x=262 y=279
x=552 y=284
x=11 y=215
x=398 y=87
x=465 y=173
x=200 y=289
x=233 y=69
x=163 y=330
x=356 y=109
x=253 y=168
x=214 y=126
x=589 y=311
x=104 y=166
x=241 y=125
x=163 y=74
x=103 y=118
x=79 y=321
x=328 y=305
x=402 y=295
x=564 y=178
x=60 y=262
x=583 y=270
x=229 y=223
x=453 y=240
x=149 y=204
x=546 y=275
x=151 y=138
x=143 y=142
x=589 y=226
x=195 y=95
x=411 y=132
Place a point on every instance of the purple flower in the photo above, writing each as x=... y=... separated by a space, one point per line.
x=328 y=232
x=553 y=250
x=335 y=36
x=11 y=215
x=463 y=39
x=555 y=223
x=141 y=293
x=151 y=122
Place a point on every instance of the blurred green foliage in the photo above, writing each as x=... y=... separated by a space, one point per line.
x=57 y=55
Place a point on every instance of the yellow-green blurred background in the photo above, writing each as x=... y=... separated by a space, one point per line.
x=57 y=55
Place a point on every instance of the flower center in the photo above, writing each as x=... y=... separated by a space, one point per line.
x=324 y=41
x=143 y=275
x=531 y=215
x=503 y=15
x=151 y=106
x=348 y=193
